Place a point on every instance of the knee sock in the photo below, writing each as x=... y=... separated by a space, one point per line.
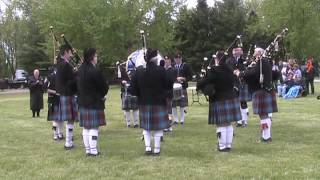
x=59 y=129
x=85 y=137
x=175 y=114
x=147 y=139
x=127 y=115
x=69 y=135
x=157 y=140
x=229 y=134
x=93 y=141
x=222 y=137
x=182 y=114
x=136 y=117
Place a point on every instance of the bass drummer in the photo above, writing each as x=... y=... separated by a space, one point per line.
x=183 y=75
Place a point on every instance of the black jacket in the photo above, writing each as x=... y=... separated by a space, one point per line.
x=151 y=85
x=36 y=93
x=92 y=87
x=65 y=79
x=252 y=76
x=234 y=64
x=170 y=74
x=223 y=80
x=183 y=71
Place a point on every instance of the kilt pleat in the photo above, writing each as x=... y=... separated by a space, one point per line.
x=264 y=102
x=68 y=108
x=244 y=94
x=129 y=102
x=182 y=102
x=153 y=117
x=91 y=118
x=226 y=111
x=53 y=112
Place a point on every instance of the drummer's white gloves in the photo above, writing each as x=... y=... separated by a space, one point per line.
x=123 y=82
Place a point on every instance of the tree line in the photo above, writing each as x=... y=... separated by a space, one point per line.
x=112 y=26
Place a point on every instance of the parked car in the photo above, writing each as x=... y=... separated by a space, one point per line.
x=20 y=80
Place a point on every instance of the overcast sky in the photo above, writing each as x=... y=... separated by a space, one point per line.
x=193 y=3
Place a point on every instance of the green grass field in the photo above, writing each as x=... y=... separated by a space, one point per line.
x=27 y=150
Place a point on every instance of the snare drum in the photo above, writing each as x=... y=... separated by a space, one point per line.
x=177 y=91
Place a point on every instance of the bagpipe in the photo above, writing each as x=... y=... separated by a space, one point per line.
x=270 y=51
x=76 y=61
x=208 y=89
x=274 y=45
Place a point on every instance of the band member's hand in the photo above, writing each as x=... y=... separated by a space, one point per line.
x=236 y=72
x=181 y=79
x=124 y=82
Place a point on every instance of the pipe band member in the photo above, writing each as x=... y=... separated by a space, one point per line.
x=264 y=101
x=66 y=88
x=224 y=103
x=183 y=75
x=151 y=86
x=92 y=89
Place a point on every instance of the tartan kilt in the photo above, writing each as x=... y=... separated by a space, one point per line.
x=153 y=117
x=129 y=102
x=264 y=102
x=244 y=94
x=226 y=111
x=68 y=109
x=169 y=105
x=53 y=112
x=91 y=118
x=183 y=102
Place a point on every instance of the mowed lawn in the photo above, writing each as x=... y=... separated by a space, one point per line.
x=27 y=150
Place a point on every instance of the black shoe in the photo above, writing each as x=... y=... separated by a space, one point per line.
x=185 y=111
x=156 y=154
x=228 y=149
x=266 y=140
x=175 y=122
x=61 y=137
x=182 y=123
x=223 y=150
x=161 y=139
x=95 y=155
x=239 y=125
x=136 y=126
x=128 y=126
x=244 y=125
x=68 y=148
x=148 y=153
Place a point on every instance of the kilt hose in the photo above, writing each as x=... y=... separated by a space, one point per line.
x=153 y=117
x=91 y=118
x=264 y=102
x=183 y=102
x=244 y=94
x=169 y=105
x=129 y=102
x=68 y=109
x=226 y=111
